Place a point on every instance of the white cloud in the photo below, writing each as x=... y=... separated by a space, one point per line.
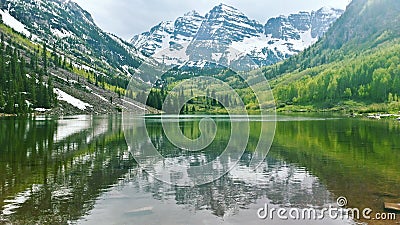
x=127 y=17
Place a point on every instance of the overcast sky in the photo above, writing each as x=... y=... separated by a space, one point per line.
x=126 y=18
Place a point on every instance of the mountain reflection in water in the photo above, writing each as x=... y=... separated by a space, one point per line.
x=79 y=170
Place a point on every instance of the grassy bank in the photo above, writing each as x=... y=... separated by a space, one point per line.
x=345 y=107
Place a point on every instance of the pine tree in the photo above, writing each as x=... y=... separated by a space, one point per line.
x=50 y=92
x=2 y=67
x=9 y=104
x=40 y=94
x=64 y=63
x=2 y=100
x=44 y=58
x=32 y=88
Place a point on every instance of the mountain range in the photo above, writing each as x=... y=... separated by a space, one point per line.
x=225 y=27
x=329 y=56
x=71 y=31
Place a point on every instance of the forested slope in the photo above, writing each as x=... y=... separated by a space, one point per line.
x=356 y=63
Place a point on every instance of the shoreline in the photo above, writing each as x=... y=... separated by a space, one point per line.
x=371 y=116
x=2 y=115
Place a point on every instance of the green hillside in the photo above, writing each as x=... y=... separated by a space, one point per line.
x=30 y=72
x=23 y=81
x=371 y=77
x=356 y=64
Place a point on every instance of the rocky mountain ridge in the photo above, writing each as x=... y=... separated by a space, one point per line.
x=225 y=27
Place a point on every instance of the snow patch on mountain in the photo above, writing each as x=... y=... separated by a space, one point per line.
x=61 y=33
x=14 y=23
x=62 y=96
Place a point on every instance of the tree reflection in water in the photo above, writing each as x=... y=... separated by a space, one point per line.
x=70 y=169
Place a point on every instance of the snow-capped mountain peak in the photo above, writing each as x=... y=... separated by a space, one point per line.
x=226 y=9
x=192 y=13
x=227 y=24
x=327 y=10
x=169 y=34
x=225 y=27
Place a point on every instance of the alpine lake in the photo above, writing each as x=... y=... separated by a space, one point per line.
x=79 y=170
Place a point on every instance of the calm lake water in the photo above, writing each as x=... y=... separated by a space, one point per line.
x=78 y=170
